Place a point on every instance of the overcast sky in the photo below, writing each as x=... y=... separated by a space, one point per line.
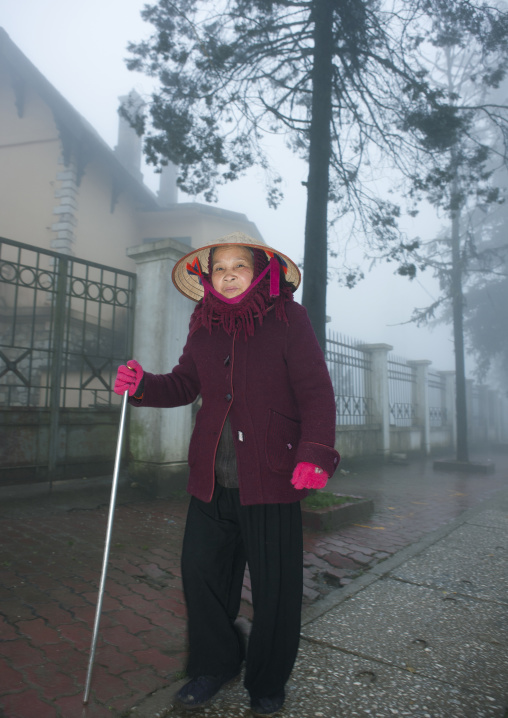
x=80 y=47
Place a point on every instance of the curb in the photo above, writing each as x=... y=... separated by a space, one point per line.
x=334 y=517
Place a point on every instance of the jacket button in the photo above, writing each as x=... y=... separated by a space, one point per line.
x=228 y=397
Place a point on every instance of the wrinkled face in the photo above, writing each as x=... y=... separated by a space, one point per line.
x=232 y=270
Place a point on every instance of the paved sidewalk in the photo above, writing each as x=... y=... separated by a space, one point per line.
x=418 y=626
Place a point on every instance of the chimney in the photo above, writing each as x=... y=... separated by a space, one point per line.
x=128 y=149
x=168 y=193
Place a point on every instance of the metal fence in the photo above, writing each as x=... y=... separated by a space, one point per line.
x=65 y=325
x=437 y=403
x=401 y=380
x=349 y=369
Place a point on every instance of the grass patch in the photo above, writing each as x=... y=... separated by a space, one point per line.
x=325 y=499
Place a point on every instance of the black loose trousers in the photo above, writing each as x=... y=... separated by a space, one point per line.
x=220 y=538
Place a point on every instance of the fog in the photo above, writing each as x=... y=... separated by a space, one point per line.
x=80 y=48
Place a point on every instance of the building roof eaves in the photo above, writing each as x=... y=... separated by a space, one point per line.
x=68 y=118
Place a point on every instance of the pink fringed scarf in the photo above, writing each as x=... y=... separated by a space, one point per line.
x=268 y=291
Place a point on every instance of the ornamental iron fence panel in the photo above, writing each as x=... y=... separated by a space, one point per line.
x=349 y=369
x=65 y=325
x=437 y=404
x=401 y=381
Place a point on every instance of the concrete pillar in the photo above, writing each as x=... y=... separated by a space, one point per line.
x=471 y=413
x=503 y=420
x=421 y=400
x=379 y=390
x=493 y=412
x=159 y=438
x=483 y=428
x=450 y=405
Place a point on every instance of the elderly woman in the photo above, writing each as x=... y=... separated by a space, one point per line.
x=263 y=436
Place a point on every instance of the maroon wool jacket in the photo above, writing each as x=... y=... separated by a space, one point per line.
x=276 y=388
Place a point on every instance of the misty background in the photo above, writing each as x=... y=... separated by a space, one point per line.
x=81 y=47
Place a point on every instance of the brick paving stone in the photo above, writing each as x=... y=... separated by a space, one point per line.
x=122 y=706
x=139 y=604
x=113 y=588
x=72 y=707
x=125 y=641
x=246 y=594
x=51 y=682
x=65 y=597
x=107 y=686
x=78 y=635
x=45 y=581
x=166 y=565
x=26 y=705
x=79 y=586
x=7 y=631
x=158 y=661
x=54 y=614
x=152 y=570
x=360 y=558
x=310 y=593
x=132 y=621
x=336 y=572
x=176 y=607
x=65 y=654
x=20 y=653
x=341 y=561
x=309 y=572
x=16 y=610
x=11 y=681
x=108 y=602
x=114 y=660
x=166 y=641
x=125 y=567
x=167 y=620
x=37 y=631
x=310 y=559
x=149 y=593
x=6 y=594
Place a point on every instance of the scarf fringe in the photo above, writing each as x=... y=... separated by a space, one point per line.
x=240 y=317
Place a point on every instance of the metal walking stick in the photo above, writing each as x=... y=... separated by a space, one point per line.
x=106 y=549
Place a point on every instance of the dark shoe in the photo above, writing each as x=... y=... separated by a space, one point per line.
x=269 y=705
x=199 y=691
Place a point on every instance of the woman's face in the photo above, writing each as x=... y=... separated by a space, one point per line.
x=232 y=270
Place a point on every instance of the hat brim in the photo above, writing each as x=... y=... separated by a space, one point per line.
x=188 y=283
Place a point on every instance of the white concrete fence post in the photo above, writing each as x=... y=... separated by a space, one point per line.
x=421 y=400
x=379 y=390
x=451 y=412
x=159 y=438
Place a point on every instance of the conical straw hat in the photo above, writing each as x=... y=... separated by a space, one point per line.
x=187 y=281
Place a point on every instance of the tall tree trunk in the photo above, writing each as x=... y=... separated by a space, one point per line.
x=457 y=294
x=316 y=221
x=458 y=337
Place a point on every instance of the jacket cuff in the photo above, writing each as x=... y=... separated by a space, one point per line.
x=319 y=454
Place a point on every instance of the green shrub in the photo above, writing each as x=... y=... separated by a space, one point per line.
x=324 y=499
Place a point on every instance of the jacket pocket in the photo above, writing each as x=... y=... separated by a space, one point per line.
x=282 y=437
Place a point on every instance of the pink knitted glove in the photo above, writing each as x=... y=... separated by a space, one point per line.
x=128 y=377
x=309 y=476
